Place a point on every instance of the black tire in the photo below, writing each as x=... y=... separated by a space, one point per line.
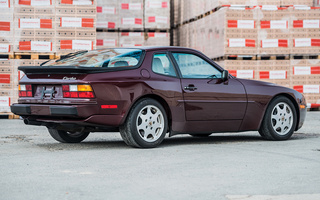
x=202 y=135
x=67 y=137
x=143 y=129
x=280 y=120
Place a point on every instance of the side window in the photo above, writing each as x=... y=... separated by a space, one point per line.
x=162 y=65
x=192 y=66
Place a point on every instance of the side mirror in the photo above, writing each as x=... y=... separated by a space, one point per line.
x=225 y=75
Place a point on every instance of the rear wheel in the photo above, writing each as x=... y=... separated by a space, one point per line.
x=67 y=137
x=146 y=124
x=280 y=120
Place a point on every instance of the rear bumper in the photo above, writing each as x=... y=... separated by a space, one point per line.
x=21 y=109
x=82 y=115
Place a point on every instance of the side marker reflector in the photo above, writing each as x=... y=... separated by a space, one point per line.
x=109 y=106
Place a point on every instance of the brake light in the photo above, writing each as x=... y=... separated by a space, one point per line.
x=77 y=91
x=25 y=91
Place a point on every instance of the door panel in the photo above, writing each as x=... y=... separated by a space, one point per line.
x=214 y=100
x=206 y=96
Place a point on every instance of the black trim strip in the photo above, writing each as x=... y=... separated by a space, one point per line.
x=59 y=110
x=19 y=109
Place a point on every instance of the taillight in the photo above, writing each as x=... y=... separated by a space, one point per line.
x=25 y=91
x=77 y=91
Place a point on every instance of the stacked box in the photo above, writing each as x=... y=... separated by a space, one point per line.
x=176 y=36
x=242 y=68
x=305 y=30
x=8 y=84
x=198 y=35
x=273 y=30
x=274 y=71
x=177 y=10
x=75 y=25
x=131 y=39
x=108 y=14
x=297 y=2
x=234 y=32
x=34 y=23
x=191 y=9
x=6 y=27
x=131 y=14
x=249 y=2
x=8 y=75
x=305 y=78
x=157 y=14
x=107 y=40
x=63 y=3
x=157 y=39
x=183 y=35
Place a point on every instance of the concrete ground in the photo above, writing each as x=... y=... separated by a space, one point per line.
x=238 y=166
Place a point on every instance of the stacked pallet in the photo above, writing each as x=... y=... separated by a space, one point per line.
x=133 y=23
x=33 y=31
x=75 y=25
x=6 y=28
x=276 y=43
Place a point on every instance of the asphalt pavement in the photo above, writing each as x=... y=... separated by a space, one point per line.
x=228 y=166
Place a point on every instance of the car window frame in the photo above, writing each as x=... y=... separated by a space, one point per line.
x=209 y=61
x=170 y=60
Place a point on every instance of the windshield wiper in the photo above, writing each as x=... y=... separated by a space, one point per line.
x=212 y=76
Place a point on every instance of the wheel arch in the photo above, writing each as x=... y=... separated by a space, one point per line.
x=158 y=98
x=294 y=102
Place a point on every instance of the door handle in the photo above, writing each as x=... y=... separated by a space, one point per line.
x=190 y=87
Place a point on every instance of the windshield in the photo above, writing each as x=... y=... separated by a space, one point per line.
x=100 y=58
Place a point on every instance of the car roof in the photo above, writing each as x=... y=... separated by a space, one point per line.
x=164 y=48
x=154 y=48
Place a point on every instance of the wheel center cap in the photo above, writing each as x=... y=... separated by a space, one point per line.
x=150 y=123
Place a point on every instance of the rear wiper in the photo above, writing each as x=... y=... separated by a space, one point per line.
x=71 y=55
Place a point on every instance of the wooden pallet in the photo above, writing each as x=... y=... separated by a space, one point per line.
x=298 y=57
x=9 y=116
x=235 y=57
x=34 y=56
x=6 y=55
x=273 y=57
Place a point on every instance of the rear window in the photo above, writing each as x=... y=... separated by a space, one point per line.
x=107 y=58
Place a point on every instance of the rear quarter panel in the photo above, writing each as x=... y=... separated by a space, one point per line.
x=124 y=88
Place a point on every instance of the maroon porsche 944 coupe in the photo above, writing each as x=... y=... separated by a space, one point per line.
x=150 y=91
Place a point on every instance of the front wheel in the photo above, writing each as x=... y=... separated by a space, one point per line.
x=280 y=120
x=67 y=137
x=146 y=124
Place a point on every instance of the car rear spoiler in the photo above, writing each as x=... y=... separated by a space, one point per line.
x=28 y=70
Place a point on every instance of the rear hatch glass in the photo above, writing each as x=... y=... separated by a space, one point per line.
x=106 y=58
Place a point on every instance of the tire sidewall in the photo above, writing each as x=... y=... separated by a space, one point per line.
x=274 y=134
x=133 y=118
x=64 y=137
